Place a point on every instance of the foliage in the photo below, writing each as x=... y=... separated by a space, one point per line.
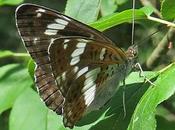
x=83 y=10
x=10 y=2
x=143 y=100
x=168 y=9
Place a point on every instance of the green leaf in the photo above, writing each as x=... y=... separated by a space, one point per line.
x=135 y=78
x=30 y=113
x=148 y=10
x=144 y=114
x=85 y=11
x=108 y=7
x=31 y=68
x=120 y=2
x=119 y=18
x=4 y=54
x=7 y=53
x=168 y=9
x=29 y=109
x=13 y=81
x=10 y=2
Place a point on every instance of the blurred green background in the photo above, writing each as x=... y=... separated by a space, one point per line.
x=121 y=35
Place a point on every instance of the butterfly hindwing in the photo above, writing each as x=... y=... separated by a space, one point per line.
x=68 y=55
x=80 y=67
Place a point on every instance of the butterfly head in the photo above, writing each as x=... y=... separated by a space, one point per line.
x=132 y=52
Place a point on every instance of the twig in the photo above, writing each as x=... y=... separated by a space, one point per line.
x=161 y=21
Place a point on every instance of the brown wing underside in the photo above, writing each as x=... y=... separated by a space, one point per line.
x=32 y=22
x=79 y=66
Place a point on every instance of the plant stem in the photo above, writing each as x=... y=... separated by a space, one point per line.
x=20 y=55
x=161 y=21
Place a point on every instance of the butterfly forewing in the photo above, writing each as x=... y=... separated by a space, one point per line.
x=48 y=90
x=39 y=22
x=81 y=66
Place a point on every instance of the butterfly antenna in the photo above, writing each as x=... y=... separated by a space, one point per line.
x=146 y=38
x=133 y=21
x=133 y=28
x=132 y=42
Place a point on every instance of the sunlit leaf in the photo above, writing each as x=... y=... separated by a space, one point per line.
x=6 y=53
x=168 y=9
x=119 y=18
x=144 y=114
x=10 y=2
x=30 y=113
x=108 y=7
x=13 y=81
x=83 y=10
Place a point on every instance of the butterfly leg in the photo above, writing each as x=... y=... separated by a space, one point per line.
x=138 y=66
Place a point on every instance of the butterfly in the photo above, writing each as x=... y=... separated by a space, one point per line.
x=77 y=69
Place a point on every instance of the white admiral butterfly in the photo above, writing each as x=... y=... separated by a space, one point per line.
x=77 y=67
